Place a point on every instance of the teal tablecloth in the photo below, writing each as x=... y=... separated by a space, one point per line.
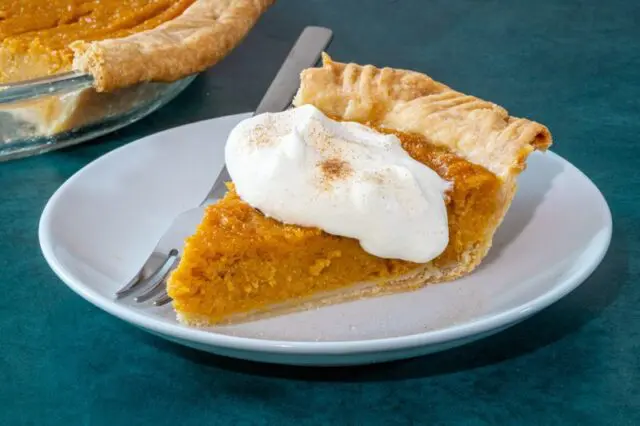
x=573 y=65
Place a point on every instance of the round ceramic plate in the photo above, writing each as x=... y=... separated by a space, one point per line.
x=100 y=226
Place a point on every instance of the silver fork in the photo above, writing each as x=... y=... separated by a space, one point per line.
x=149 y=282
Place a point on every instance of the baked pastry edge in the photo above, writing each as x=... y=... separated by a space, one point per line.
x=190 y=43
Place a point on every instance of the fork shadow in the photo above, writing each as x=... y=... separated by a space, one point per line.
x=565 y=317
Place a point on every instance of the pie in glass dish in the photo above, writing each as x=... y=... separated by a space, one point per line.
x=243 y=263
x=120 y=43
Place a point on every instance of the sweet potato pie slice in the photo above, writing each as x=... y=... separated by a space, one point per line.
x=240 y=264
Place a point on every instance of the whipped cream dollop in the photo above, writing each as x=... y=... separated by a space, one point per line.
x=301 y=167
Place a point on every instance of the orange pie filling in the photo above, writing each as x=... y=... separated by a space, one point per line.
x=35 y=34
x=240 y=261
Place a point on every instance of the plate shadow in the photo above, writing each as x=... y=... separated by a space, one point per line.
x=523 y=208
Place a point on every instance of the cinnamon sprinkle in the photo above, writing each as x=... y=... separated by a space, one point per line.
x=334 y=169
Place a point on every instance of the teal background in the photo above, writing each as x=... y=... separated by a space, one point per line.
x=573 y=65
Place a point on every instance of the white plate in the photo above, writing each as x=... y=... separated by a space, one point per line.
x=98 y=228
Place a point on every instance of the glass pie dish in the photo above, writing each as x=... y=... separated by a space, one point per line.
x=49 y=113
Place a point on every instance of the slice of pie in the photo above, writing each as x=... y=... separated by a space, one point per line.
x=240 y=263
x=119 y=42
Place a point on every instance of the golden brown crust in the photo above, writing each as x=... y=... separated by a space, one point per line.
x=190 y=43
x=406 y=101
x=410 y=102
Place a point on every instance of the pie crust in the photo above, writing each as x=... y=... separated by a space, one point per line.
x=189 y=43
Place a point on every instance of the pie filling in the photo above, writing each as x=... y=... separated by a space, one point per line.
x=241 y=261
x=35 y=34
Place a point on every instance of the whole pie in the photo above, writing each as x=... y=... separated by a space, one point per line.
x=240 y=263
x=119 y=42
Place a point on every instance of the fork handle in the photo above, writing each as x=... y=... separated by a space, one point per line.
x=304 y=54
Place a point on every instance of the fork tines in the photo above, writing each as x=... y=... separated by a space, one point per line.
x=150 y=282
